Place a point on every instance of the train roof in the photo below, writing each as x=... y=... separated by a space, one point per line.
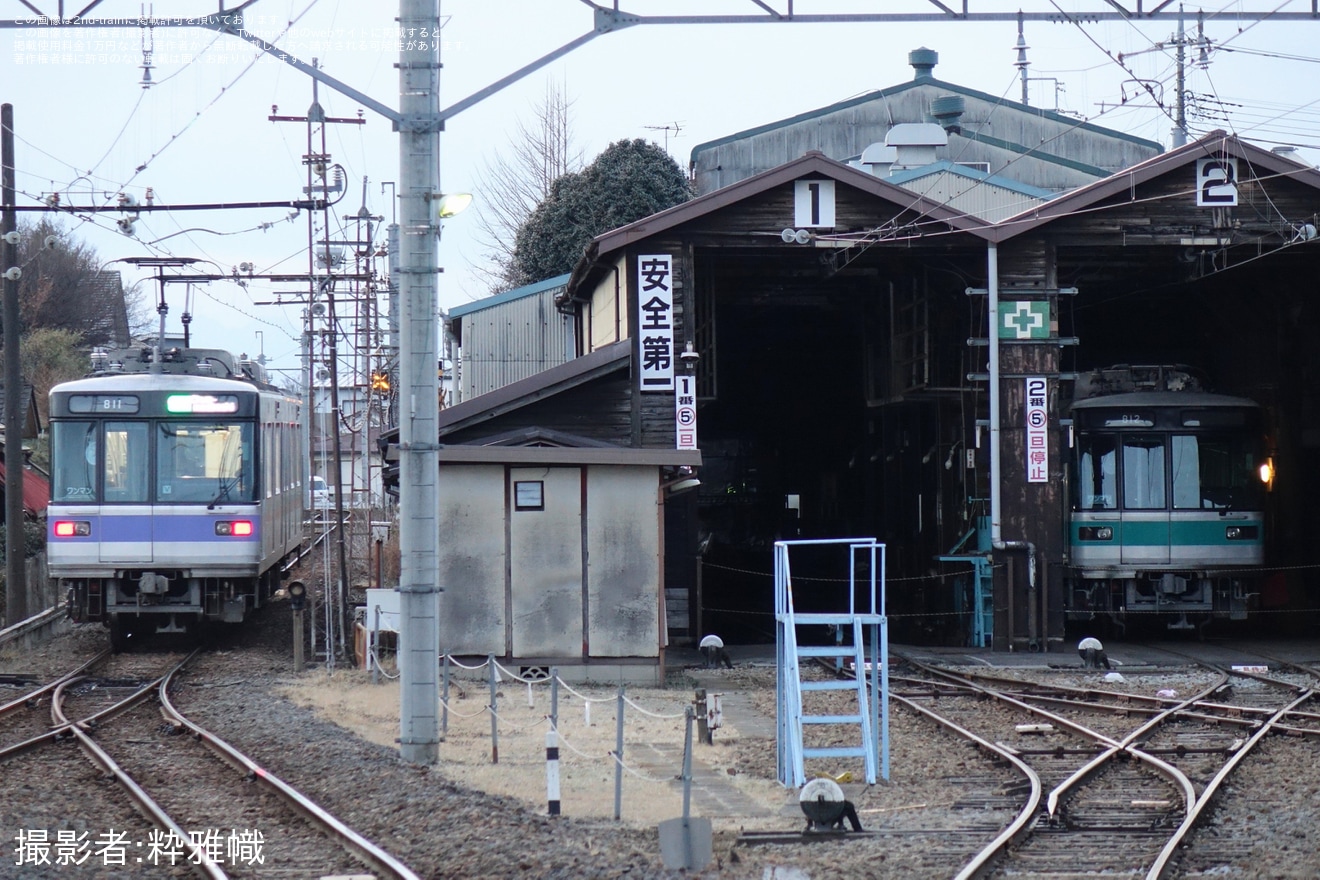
x=102 y=383
x=1184 y=399
x=148 y=358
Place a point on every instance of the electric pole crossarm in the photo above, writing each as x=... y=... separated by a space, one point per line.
x=78 y=18
x=1106 y=10
x=296 y=204
x=227 y=27
x=518 y=74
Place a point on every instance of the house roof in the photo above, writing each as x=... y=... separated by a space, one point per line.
x=569 y=455
x=813 y=163
x=1216 y=144
x=36 y=490
x=541 y=385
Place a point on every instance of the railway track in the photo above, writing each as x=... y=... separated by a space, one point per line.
x=193 y=803
x=22 y=724
x=1128 y=775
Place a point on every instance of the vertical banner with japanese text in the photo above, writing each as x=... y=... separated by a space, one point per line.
x=655 y=321
x=1038 y=452
x=685 y=413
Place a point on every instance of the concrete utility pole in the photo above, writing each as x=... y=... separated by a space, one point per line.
x=419 y=530
x=15 y=575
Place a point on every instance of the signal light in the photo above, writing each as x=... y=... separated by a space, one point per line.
x=297 y=595
x=239 y=528
x=72 y=529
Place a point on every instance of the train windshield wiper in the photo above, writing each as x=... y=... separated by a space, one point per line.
x=223 y=494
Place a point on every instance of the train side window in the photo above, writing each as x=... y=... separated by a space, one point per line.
x=1143 y=473
x=1097 y=480
x=74 y=448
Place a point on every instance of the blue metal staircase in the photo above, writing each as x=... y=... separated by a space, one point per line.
x=871 y=719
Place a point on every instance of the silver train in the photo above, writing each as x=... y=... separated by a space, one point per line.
x=176 y=490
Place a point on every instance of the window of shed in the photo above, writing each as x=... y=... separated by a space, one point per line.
x=529 y=495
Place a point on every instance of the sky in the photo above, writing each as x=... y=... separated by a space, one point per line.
x=87 y=129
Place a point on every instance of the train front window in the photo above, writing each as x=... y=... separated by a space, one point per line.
x=1143 y=473
x=126 y=466
x=1214 y=473
x=74 y=451
x=204 y=462
x=1097 y=473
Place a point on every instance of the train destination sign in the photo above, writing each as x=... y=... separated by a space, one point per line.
x=103 y=403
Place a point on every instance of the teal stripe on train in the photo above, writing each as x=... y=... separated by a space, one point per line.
x=1178 y=533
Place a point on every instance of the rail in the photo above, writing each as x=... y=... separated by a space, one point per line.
x=355 y=843
x=99 y=756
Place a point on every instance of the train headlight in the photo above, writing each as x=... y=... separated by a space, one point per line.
x=71 y=529
x=1241 y=533
x=1096 y=533
x=237 y=528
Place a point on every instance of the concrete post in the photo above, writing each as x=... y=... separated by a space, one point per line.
x=419 y=534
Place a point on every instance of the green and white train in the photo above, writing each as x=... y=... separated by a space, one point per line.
x=1169 y=484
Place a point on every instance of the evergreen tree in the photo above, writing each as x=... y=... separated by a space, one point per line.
x=630 y=180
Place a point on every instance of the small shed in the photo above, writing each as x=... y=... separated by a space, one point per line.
x=553 y=556
x=552 y=538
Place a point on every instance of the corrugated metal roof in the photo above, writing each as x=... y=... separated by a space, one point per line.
x=509 y=296
x=953 y=88
x=974 y=192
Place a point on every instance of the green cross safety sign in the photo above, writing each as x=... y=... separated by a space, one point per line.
x=1024 y=319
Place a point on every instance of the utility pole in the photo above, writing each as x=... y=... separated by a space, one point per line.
x=15 y=575
x=322 y=180
x=1180 y=120
x=419 y=461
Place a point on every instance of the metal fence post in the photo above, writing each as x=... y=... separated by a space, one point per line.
x=494 y=719
x=444 y=701
x=618 y=757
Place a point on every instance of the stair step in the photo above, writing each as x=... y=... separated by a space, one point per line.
x=831 y=719
x=826 y=651
x=836 y=752
x=829 y=685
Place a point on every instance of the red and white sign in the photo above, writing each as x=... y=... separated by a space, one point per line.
x=1038 y=422
x=685 y=413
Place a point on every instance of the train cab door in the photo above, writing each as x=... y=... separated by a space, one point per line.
x=1145 y=508
x=127 y=520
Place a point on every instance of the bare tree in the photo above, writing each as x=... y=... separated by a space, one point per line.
x=514 y=181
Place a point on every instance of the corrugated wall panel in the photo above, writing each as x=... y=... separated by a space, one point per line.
x=513 y=340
